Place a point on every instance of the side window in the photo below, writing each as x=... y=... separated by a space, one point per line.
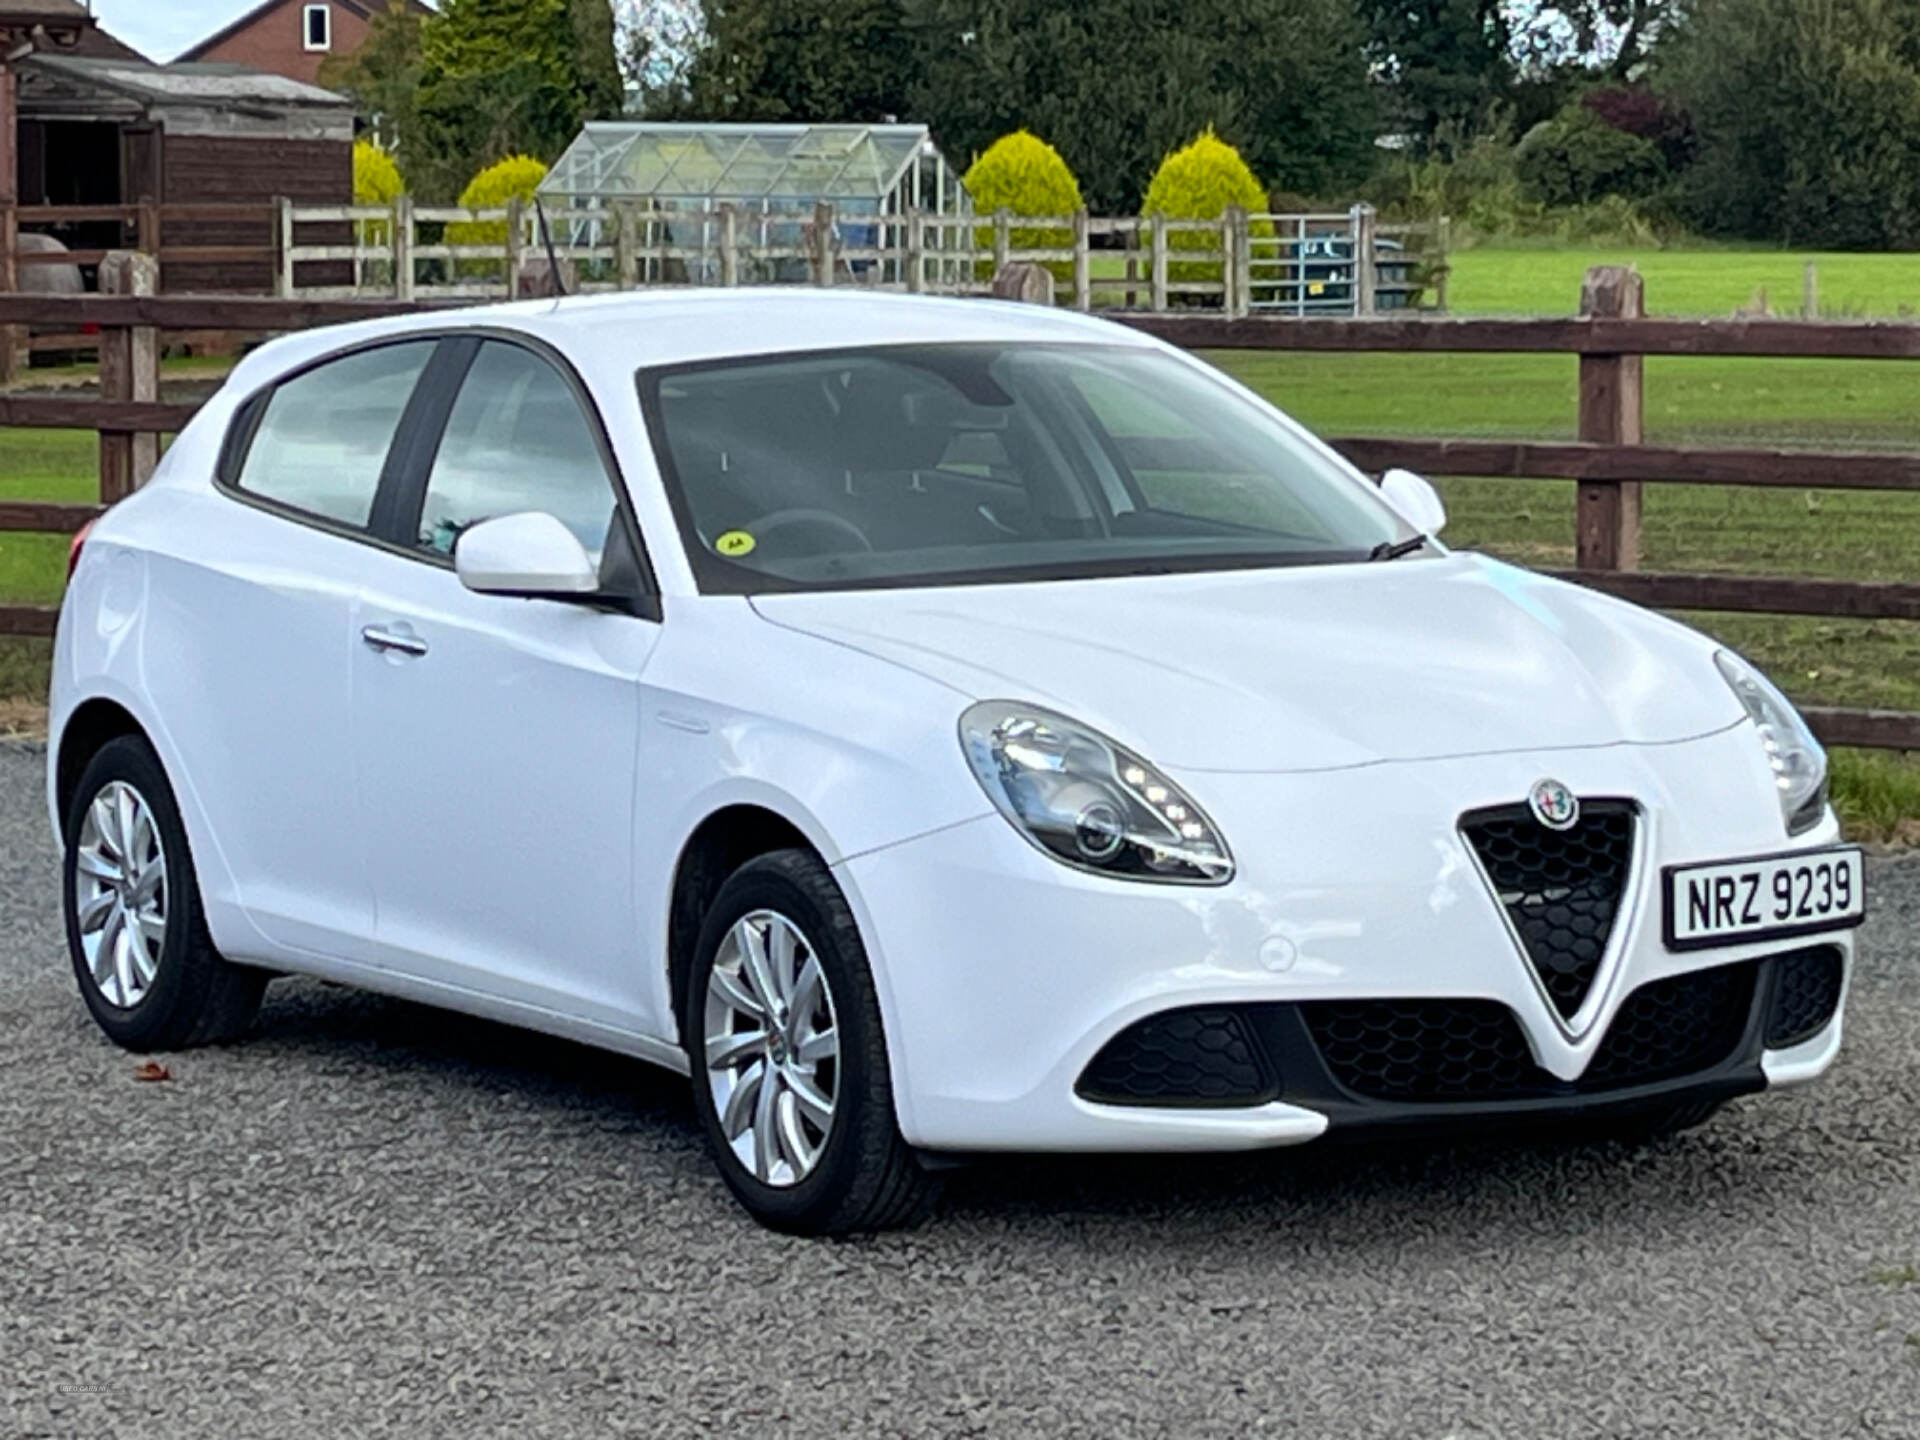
x=517 y=440
x=323 y=437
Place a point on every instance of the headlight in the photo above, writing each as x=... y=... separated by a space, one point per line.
x=1085 y=800
x=1799 y=763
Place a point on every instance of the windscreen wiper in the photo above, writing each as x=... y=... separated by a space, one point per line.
x=1394 y=549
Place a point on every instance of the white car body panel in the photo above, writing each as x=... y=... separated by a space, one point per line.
x=1211 y=671
x=500 y=772
x=495 y=826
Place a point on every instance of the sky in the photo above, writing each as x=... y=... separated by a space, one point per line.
x=161 y=29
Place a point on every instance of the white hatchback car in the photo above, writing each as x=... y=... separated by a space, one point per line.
x=939 y=727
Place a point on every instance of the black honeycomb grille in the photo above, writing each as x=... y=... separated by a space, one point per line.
x=1200 y=1057
x=1674 y=1027
x=1416 y=1051
x=1806 y=995
x=1423 y=1049
x=1561 y=889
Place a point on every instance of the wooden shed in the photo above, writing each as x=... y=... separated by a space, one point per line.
x=176 y=140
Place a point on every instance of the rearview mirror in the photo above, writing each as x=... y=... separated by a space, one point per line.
x=1417 y=501
x=527 y=554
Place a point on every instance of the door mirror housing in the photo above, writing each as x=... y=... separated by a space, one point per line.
x=530 y=554
x=1417 y=501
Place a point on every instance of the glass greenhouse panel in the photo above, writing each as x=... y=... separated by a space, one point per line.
x=885 y=168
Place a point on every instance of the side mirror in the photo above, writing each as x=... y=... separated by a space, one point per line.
x=1417 y=501
x=527 y=554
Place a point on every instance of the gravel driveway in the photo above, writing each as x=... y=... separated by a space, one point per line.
x=372 y=1218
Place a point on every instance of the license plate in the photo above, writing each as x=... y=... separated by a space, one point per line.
x=1733 y=901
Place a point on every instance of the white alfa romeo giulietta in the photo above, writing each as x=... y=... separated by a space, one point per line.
x=937 y=727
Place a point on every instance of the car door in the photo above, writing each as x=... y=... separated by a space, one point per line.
x=496 y=738
x=247 y=646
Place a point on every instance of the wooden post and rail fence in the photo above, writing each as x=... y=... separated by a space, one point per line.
x=1609 y=462
x=1240 y=262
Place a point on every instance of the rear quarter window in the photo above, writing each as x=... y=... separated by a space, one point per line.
x=317 y=443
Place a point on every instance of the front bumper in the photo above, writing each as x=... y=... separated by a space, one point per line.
x=1004 y=975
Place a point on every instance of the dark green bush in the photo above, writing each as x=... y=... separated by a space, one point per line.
x=1809 y=120
x=1577 y=158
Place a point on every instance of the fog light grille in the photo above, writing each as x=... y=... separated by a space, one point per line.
x=1199 y=1058
x=1806 y=996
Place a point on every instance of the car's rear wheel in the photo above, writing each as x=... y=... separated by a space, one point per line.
x=135 y=930
x=789 y=1059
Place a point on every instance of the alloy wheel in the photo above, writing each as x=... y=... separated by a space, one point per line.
x=120 y=894
x=772 y=1048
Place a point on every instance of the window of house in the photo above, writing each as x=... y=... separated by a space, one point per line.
x=318 y=21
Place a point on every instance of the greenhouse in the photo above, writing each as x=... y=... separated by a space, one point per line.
x=685 y=178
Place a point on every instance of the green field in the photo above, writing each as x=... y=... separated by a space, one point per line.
x=1774 y=403
x=1520 y=280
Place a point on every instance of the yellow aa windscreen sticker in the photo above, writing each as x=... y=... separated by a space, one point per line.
x=735 y=543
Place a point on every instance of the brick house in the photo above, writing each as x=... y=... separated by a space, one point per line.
x=293 y=37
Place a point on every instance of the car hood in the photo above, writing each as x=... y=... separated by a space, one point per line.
x=1302 y=668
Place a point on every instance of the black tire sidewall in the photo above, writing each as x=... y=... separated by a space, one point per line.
x=132 y=761
x=863 y=1102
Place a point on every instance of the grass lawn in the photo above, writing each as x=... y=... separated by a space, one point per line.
x=1776 y=403
x=1521 y=280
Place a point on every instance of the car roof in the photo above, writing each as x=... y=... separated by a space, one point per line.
x=630 y=331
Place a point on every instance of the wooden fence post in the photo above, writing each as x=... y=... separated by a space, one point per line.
x=1159 y=261
x=147 y=237
x=1810 y=297
x=916 y=276
x=516 y=242
x=1443 y=279
x=1002 y=239
x=1366 y=261
x=823 y=243
x=403 y=279
x=1133 y=265
x=1612 y=412
x=1082 y=262
x=13 y=338
x=729 y=245
x=1230 y=261
x=626 y=244
x=283 y=244
x=1243 y=261
x=129 y=371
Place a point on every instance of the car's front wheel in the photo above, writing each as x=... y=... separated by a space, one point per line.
x=135 y=931
x=789 y=1060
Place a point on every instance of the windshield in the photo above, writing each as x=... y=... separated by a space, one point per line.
x=943 y=464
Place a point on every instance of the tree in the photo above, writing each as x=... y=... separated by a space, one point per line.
x=383 y=75
x=506 y=77
x=1578 y=157
x=799 y=60
x=658 y=40
x=1808 y=116
x=1456 y=69
x=1616 y=37
x=1448 y=64
x=1116 y=85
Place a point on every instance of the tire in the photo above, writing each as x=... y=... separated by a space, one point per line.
x=181 y=993
x=856 y=1173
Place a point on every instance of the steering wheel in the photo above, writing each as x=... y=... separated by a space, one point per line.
x=766 y=525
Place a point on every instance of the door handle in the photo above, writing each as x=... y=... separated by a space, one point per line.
x=389 y=641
